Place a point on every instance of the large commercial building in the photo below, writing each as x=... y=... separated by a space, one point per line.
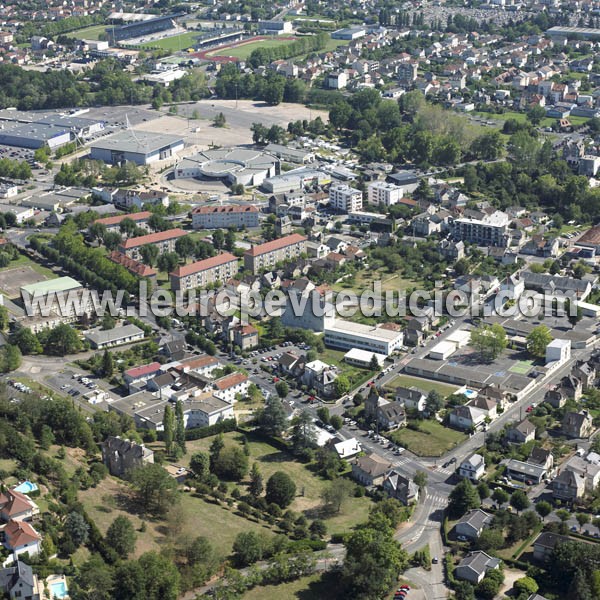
x=489 y=231
x=35 y=135
x=163 y=240
x=266 y=256
x=139 y=147
x=216 y=217
x=380 y=192
x=583 y=33
x=231 y=165
x=218 y=268
x=143 y=27
x=345 y=335
x=344 y=198
x=295 y=180
x=275 y=27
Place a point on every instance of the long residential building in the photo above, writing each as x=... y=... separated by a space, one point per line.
x=114 y=223
x=204 y=272
x=163 y=240
x=346 y=335
x=215 y=217
x=344 y=198
x=489 y=231
x=266 y=256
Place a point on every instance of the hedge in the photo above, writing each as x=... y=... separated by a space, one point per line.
x=199 y=433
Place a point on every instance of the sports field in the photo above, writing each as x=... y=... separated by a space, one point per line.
x=89 y=33
x=244 y=49
x=521 y=367
x=174 y=43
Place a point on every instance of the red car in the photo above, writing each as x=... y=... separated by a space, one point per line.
x=529 y=409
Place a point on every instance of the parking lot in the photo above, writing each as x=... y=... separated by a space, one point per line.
x=79 y=386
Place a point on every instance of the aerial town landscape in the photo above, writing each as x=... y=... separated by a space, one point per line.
x=300 y=300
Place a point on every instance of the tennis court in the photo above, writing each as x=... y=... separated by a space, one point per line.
x=521 y=367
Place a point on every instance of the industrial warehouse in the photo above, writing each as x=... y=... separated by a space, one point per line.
x=139 y=147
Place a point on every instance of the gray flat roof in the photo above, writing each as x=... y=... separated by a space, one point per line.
x=110 y=335
x=34 y=131
x=140 y=142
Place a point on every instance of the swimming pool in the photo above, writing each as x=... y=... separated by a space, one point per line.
x=26 y=487
x=58 y=590
x=470 y=394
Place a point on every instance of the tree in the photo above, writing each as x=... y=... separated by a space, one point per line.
x=108 y=322
x=489 y=340
x=489 y=587
x=374 y=363
x=185 y=246
x=155 y=489
x=483 y=490
x=526 y=586
x=121 y=534
x=272 y=419
x=151 y=577
x=434 y=402
x=168 y=428
x=108 y=366
x=543 y=508
x=149 y=254
x=563 y=514
x=573 y=311
x=373 y=561
x=180 y=426
x=318 y=528
x=62 y=340
x=537 y=340
x=248 y=548
x=76 y=528
x=490 y=540
x=303 y=433
x=535 y=114
x=26 y=341
x=281 y=490
x=323 y=414
x=282 y=389
x=4 y=318
x=519 y=500
x=463 y=498
x=200 y=465
x=582 y=519
x=219 y=120
x=10 y=358
x=231 y=463
x=337 y=493
x=336 y=422
x=256 y=481
x=500 y=496
x=420 y=479
x=341 y=386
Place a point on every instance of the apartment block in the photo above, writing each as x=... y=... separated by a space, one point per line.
x=384 y=193
x=491 y=230
x=204 y=272
x=345 y=198
x=266 y=256
x=114 y=223
x=163 y=240
x=224 y=217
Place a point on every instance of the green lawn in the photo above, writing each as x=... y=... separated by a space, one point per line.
x=433 y=439
x=426 y=385
x=243 y=51
x=315 y=587
x=356 y=375
x=89 y=33
x=309 y=486
x=173 y=43
x=25 y=261
x=521 y=117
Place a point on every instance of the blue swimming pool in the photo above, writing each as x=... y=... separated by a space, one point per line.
x=26 y=487
x=470 y=393
x=58 y=590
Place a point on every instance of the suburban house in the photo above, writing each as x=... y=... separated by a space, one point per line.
x=391 y=416
x=412 y=398
x=467 y=417
x=122 y=456
x=245 y=337
x=18 y=581
x=542 y=457
x=568 y=485
x=584 y=372
x=578 y=424
x=292 y=364
x=544 y=544
x=572 y=386
x=370 y=470
x=20 y=537
x=489 y=406
x=524 y=471
x=348 y=448
x=521 y=432
x=474 y=566
x=473 y=523
x=400 y=487
x=556 y=397
x=17 y=506
x=472 y=468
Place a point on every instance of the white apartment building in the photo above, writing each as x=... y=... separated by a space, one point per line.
x=346 y=335
x=384 y=193
x=489 y=231
x=345 y=198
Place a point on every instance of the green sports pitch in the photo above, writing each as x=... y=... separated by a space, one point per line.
x=521 y=367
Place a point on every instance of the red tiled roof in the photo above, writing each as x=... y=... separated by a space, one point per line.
x=132 y=265
x=14 y=503
x=143 y=370
x=203 y=265
x=197 y=363
x=230 y=380
x=288 y=240
x=207 y=210
x=140 y=216
x=19 y=533
x=153 y=238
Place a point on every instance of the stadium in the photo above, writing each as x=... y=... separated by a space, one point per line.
x=229 y=165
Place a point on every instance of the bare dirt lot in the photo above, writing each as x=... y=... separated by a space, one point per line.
x=12 y=280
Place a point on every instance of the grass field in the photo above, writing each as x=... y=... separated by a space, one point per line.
x=243 y=50
x=433 y=439
x=423 y=384
x=315 y=587
x=309 y=486
x=89 y=33
x=173 y=43
x=356 y=375
x=522 y=118
x=365 y=279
